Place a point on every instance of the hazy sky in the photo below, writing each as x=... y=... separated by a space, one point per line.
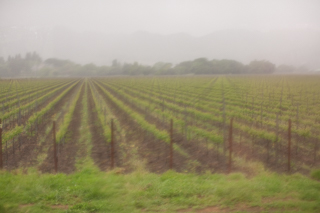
x=196 y=17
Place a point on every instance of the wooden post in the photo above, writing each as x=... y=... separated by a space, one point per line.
x=1 y=162
x=55 y=148
x=171 y=144
x=289 y=144
x=112 y=145
x=13 y=146
x=315 y=150
x=224 y=122
x=230 y=145
x=268 y=150
x=252 y=107
x=261 y=115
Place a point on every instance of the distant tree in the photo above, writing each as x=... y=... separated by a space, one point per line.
x=115 y=63
x=261 y=67
x=115 y=68
x=147 y=70
x=103 y=70
x=162 y=68
x=201 y=66
x=230 y=67
x=90 y=68
x=135 y=69
x=33 y=61
x=4 y=71
x=58 y=63
x=36 y=58
x=184 y=67
x=45 y=71
x=16 y=64
x=126 y=68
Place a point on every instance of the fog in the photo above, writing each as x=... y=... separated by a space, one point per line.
x=148 y=31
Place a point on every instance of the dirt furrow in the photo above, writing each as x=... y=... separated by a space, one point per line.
x=153 y=151
x=26 y=155
x=67 y=150
x=100 y=152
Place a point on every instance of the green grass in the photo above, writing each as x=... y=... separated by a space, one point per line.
x=90 y=190
x=85 y=141
x=315 y=174
x=93 y=191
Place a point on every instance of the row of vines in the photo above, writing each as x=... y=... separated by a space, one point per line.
x=182 y=123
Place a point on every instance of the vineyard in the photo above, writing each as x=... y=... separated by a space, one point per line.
x=188 y=124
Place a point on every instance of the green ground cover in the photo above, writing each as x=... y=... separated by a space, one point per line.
x=90 y=190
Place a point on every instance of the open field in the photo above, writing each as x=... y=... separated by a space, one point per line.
x=136 y=129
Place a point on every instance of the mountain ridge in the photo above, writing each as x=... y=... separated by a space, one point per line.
x=294 y=47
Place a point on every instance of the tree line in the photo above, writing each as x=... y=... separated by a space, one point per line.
x=33 y=65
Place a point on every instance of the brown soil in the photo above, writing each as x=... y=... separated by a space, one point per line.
x=100 y=152
x=155 y=152
x=237 y=208
x=209 y=159
x=27 y=154
x=258 y=152
x=275 y=159
x=67 y=150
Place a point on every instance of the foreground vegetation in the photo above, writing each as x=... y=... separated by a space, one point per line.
x=128 y=121
x=90 y=190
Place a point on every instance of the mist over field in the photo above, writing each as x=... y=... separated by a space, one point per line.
x=294 y=47
x=147 y=32
x=159 y=106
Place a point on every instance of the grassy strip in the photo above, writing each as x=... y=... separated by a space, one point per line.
x=94 y=191
x=127 y=148
x=58 y=118
x=84 y=160
x=68 y=117
x=101 y=116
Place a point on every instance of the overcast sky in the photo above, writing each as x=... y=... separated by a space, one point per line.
x=195 y=17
